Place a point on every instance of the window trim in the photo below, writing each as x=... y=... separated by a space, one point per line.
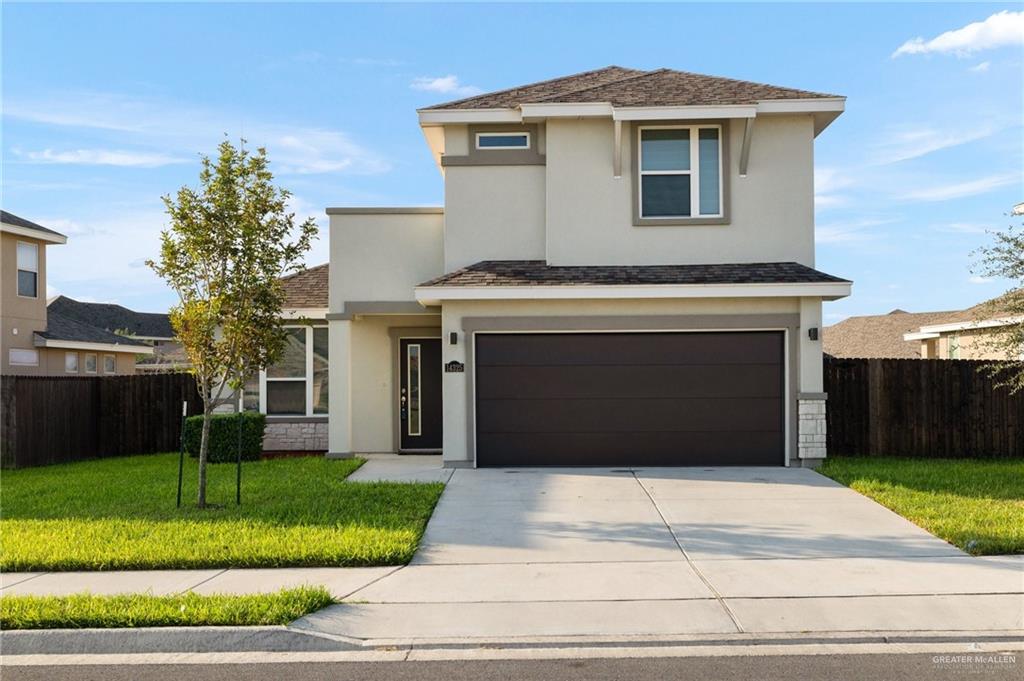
x=724 y=172
x=78 y=366
x=501 y=133
x=113 y=357
x=307 y=379
x=18 y=270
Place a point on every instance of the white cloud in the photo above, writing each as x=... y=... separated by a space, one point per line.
x=849 y=230
x=102 y=157
x=903 y=144
x=828 y=183
x=980 y=280
x=964 y=228
x=179 y=131
x=999 y=30
x=983 y=67
x=445 y=85
x=959 y=190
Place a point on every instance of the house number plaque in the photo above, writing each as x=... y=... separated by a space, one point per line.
x=454 y=367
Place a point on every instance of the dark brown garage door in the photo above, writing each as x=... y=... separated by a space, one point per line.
x=629 y=399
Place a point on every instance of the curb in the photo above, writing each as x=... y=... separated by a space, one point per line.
x=283 y=639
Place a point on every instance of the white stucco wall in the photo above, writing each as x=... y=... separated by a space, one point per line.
x=382 y=257
x=373 y=382
x=493 y=213
x=590 y=212
x=456 y=408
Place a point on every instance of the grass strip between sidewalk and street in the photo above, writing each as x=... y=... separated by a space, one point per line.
x=119 y=514
x=81 y=611
x=975 y=504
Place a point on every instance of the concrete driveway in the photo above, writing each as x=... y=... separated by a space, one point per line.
x=663 y=551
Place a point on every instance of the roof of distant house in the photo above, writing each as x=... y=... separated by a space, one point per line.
x=881 y=336
x=111 y=317
x=306 y=289
x=45 y=233
x=539 y=273
x=61 y=328
x=626 y=87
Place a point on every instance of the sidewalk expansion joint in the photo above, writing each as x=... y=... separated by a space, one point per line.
x=204 y=581
x=371 y=583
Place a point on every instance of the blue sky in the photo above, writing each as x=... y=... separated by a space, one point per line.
x=106 y=107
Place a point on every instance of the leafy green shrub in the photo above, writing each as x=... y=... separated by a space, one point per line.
x=224 y=436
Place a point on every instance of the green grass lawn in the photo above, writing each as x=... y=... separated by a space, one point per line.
x=976 y=505
x=81 y=611
x=119 y=513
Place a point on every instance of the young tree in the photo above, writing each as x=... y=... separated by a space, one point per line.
x=229 y=243
x=1004 y=259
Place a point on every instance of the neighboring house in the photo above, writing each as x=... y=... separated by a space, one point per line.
x=151 y=328
x=294 y=392
x=962 y=335
x=35 y=342
x=879 y=336
x=622 y=274
x=949 y=334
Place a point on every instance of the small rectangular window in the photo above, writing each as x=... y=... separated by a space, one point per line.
x=413 y=381
x=71 y=362
x=28 y=269
x=24 y=357
x=90 y=363
x=503 y=140
x=286 y=398
x=109 y=364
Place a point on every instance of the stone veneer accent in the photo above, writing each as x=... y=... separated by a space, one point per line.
x=295 y=435
x=811 y=437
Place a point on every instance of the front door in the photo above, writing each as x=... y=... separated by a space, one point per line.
x=419 y=395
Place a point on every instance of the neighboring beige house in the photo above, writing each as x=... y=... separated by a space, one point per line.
x=622 y=274
x=33 y=342
x=949 y=334
x=962 y=335
x=294 y=392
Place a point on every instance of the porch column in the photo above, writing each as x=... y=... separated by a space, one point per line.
x=339 y=433
x=811 y=418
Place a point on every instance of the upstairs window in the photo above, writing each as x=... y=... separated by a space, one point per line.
x=28 y=270
x=680 y=171
x=503 y=140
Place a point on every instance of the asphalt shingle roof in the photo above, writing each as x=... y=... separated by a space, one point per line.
x=12 y=219
x=111 y=317
x=59 y=327
x=539 y=273
x=307 y=289
x=631 y=87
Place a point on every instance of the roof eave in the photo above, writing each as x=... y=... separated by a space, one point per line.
x=57 y=343
x=435 y=295
x=41 y=235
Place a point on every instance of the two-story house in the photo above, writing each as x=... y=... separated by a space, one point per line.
x=34 y=341
x=622 y=274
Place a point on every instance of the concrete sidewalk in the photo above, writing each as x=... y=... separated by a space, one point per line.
x=517 y=554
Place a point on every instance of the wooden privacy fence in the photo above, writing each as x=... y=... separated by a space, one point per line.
x=920 y=407
x=56 y=419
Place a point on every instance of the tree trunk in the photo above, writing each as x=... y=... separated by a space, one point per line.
x=204 y=444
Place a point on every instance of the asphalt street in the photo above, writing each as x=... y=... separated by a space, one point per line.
x=892 y=667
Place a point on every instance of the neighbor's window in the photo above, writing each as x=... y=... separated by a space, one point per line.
x=680 y=171
x=251 y=393
x=503 y=140
x=953 y=347
x=71 y=362
x=297 y=384
x=28 y=269
x=23 y=357
x=109 y=364
x=90 y=363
